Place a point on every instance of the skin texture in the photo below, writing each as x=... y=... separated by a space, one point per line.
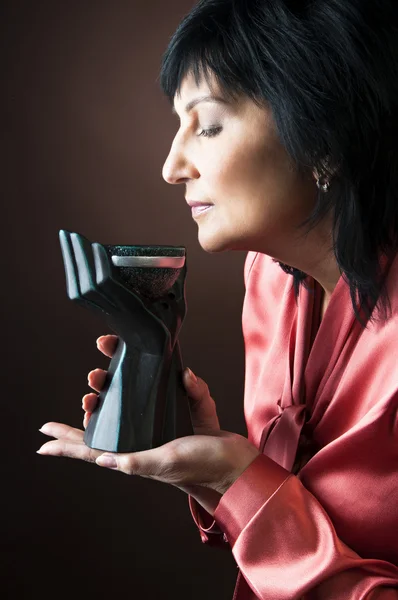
x=228 y=155
x=258 y=197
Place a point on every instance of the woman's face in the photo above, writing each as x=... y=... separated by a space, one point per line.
x=229 y=156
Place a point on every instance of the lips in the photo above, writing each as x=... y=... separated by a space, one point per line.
x=194 y=203
x=200 y=209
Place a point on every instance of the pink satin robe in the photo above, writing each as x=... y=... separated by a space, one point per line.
x=325 y=397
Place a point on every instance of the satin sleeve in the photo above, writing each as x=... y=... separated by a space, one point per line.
x=286 y=546
x=210 y=533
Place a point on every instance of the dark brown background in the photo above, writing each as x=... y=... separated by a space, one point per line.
x=85 y=133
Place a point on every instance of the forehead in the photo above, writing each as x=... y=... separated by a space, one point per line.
x=208 y=89
x=189 y=88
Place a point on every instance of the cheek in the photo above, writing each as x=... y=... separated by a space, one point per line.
x=252 y=181
x=220 y=171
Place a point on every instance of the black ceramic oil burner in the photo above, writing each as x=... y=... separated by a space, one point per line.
x=141 y=292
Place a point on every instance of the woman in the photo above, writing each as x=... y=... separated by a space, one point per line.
x=287 y=140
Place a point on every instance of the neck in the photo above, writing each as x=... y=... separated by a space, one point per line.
x=313 y=254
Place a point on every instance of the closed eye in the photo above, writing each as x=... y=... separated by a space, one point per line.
x=211 y=132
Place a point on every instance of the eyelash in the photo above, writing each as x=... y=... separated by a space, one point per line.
x=211 y=132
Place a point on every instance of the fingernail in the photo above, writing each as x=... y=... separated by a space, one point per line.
x=106 y=461
x=193 y=377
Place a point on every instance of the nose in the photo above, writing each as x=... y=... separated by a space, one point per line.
x=178 y=168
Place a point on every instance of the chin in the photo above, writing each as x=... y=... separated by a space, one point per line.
x=216 y=243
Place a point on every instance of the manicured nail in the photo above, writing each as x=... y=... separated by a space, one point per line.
x=193 y=377
x=106 y=461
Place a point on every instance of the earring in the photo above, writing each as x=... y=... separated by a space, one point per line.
x=322 y=182
x=324 y=185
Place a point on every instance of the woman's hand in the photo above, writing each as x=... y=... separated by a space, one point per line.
x=203 y=465
x=206 y=418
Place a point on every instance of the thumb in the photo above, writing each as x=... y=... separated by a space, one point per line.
x=201 y=404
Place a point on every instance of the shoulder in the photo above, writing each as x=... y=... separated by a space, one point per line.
x=262 y=272
x=260 y=263
x=250 y=258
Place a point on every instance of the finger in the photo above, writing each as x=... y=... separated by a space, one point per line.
x=60 y=430
x=201 y=404
x=89 y=402
x=96 y=379
x=86 y=419
x=190 y=381
x=70 y=449
x=153 y=464
x=107 y=344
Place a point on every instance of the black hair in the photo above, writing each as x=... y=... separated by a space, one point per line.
x=328 y=69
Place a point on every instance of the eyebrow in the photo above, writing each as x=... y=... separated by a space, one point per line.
x=206 y=98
